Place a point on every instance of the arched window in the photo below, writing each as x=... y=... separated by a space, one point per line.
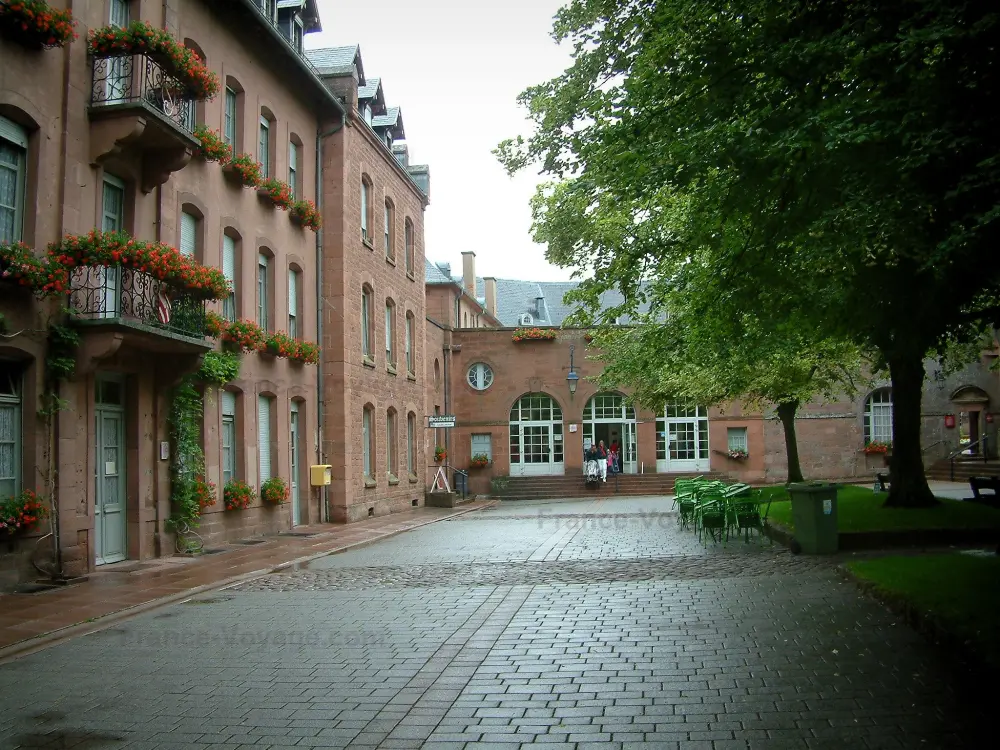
x=231 y=242
x=878 y=417
x=11 y=441
x=294 y=302
x=390 y=334
x=194 y=110
x=408 y=242
x=295 y=164
x=192 y=241
x=367 y=297
x=391 y=459
x=368 y=441
x=232 y=114
x=480 y=376
x=229 y=403
x=13 y=179
x=265 y=285
x=536 y=436
x=366 y=209
x=390 y=231
x=410 y=343
x=265 y=142
x=411 y=444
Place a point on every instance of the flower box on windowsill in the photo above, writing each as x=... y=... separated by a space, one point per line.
x=36 y=25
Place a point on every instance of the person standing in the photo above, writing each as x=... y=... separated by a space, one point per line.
x=602 y=460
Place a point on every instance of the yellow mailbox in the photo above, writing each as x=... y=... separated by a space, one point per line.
x=320 y=475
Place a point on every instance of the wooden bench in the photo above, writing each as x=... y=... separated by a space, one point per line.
x=985 y=483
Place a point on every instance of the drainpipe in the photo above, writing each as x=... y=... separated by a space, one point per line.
x=320 y=136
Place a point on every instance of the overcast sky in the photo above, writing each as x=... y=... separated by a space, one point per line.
x=455 y=67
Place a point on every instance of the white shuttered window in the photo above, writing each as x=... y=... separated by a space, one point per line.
x=293 y=303
x=264 y=436
x=229 y=271
x=189 y=234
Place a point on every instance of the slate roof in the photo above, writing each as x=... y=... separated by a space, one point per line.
x=336 y=60
x=370 y=89
x=543 y=300
x=389 y=119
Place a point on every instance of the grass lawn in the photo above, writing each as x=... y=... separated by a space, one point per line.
x=962 y=591
x=860 y=509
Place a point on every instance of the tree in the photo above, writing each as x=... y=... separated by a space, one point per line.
x=703 y=350
x=835 y=161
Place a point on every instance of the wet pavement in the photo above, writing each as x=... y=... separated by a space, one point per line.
x=577 y=623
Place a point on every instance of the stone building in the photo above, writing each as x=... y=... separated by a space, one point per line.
x=96 y=138
x=513 y=401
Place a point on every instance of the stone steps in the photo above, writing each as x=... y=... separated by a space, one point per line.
x=964 y=468
x=573 y=485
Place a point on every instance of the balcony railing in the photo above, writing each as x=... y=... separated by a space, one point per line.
x=127 y=295
x=140 y=79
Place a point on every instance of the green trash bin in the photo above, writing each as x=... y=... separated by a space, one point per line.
x=814 y=515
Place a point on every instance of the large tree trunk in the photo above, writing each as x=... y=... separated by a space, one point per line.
x=786 y=413
x=906 y=468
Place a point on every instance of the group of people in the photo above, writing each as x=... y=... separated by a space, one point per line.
x=605 y=458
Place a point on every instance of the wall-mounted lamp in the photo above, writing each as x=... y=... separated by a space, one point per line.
x=572 y=379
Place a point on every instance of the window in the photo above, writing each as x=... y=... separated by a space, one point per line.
x=411 y=443
x=390 y=333
x=736 y=438
x=293 y=168
x=189 y=234
x=263 y=298
x=264 y=436
x=465 y=320
x=390 y=235
x=113 y=204
x=293 y=303
x=297 y=34
x=10 y=429
x=229 y=271
x=480 y=376
x=410 y=368
x=878 y=417
x=229 y=120
x=119 y=13
x=408 y=242
x=264 y=147
x=661 y=439
x=368 y=442
x=366 y=321
x=13 y=152
x=391 y=465
x=228 y=437
x=482 y=444
x=366 y=188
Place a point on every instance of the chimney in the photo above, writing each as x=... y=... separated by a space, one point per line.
x=469 y=272
x=491 y=295
x=540 y=307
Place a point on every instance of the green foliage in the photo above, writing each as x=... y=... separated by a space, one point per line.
x=188 y=461
x=950 y=588
x=274 y=491
x=60 y=358
x=835 y=161
x=499 y=484
x=219 y=368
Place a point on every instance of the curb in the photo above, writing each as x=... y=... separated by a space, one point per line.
x=54 y=637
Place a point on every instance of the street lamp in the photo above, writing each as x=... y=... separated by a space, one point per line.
x=572 y=379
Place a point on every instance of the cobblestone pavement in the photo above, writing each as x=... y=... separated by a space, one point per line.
x=582 y=624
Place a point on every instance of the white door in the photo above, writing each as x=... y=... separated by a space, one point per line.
x=629 y=457
x=293 y=430
x=536 y=437
x=110 y=527
x=685 y=446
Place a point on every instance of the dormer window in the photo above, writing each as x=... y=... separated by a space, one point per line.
x=368 y=114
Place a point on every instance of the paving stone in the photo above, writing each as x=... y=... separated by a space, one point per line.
x=523 y=625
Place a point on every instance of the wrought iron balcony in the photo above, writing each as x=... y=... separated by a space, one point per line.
x=134 y=300
x=141 y=80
